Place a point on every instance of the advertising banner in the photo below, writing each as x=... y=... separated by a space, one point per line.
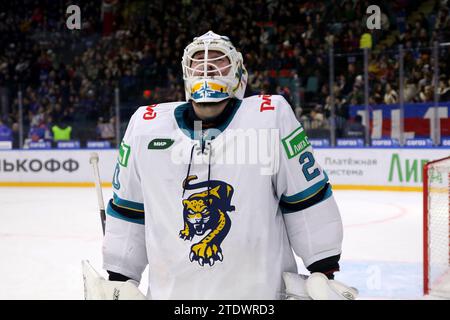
x=383 y=169
x=54 y=166
x=385 y=119
x=352 y=168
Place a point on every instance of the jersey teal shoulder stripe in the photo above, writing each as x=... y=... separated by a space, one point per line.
x=328 y=194
x=113 y=213
x=306 y=194
x=135 y=206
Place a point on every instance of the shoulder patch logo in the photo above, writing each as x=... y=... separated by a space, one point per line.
x=124 y=154
x=295 y=142
x=160 y=143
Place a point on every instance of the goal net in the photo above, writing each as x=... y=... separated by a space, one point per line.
x=436 y=227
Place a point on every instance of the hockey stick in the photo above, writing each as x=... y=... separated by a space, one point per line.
x=98 y=187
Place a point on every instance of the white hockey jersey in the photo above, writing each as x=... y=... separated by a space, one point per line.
x=217 y=214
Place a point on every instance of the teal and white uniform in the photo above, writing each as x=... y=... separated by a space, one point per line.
x=219 y=214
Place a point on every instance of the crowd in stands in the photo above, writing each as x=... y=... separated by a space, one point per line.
x=68 y=77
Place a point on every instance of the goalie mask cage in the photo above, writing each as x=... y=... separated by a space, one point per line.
x=436 y=228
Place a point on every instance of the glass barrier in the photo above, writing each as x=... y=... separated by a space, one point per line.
x=395 y=97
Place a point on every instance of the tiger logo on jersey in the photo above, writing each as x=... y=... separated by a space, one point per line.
x=206 y=214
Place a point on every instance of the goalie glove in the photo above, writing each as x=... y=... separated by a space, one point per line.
x=316 y=287
x=98 y=288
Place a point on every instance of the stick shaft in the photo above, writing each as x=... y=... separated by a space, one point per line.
x=98 y=188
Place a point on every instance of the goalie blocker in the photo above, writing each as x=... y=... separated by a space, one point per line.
x=98 y=288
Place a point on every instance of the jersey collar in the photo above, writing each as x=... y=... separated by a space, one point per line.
x=182 y=118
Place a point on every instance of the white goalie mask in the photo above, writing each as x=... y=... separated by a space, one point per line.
x=204 y=80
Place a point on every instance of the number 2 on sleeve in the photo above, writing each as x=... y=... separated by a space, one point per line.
x=309 y=158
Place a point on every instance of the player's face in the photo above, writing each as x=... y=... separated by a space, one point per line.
x=217 y=64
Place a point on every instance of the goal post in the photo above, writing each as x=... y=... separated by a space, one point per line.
x=436 y=228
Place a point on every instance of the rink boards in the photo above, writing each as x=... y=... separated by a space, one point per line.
x=391 y=169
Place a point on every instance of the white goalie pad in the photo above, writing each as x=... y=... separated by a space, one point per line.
x=316 y=287
x=98 y=288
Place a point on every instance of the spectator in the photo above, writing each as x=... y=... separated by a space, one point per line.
x=426 y=94
x=365 y=41
x=5 y=132
x=355 y=129
x=298 y=112
x=106 y=130
x=444 y=90
x=377 y=95
x=410 y=91
x=317 y=118
x=39 y=132
x=390 y=97
x=62 y=131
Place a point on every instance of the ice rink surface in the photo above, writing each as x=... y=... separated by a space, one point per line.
x=46 y=232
